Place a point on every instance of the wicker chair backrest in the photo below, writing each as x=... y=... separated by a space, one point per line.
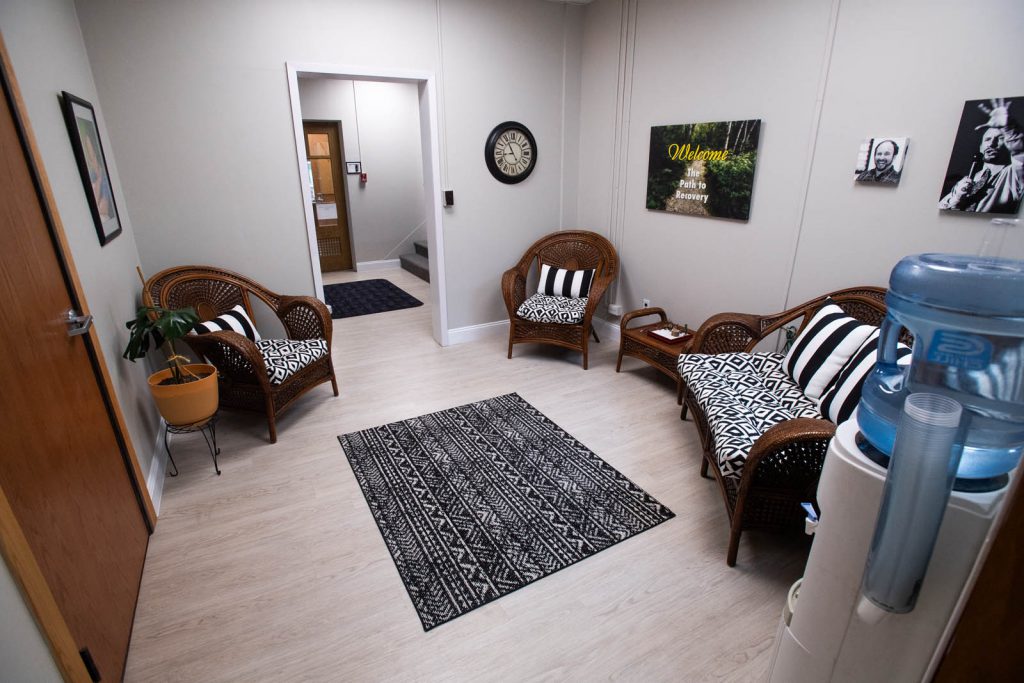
x=577 y=250
x=211 y=291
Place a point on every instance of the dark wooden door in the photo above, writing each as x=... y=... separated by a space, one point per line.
x=323 y=151
x=62 y=464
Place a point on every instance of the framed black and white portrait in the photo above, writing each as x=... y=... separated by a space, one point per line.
x=986 y=167
x=880 y=160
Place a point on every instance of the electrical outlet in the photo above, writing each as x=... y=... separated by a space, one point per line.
x=645 y=302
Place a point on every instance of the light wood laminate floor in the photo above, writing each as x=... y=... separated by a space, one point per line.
x=276 y=571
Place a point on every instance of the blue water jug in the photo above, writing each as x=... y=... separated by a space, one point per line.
x=966 y=314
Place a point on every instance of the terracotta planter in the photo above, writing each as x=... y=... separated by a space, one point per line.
x=186 y=404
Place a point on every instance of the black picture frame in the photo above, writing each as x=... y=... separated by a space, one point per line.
x=80 y=118
x=492 y=140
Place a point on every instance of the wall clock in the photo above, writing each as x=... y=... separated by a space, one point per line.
x=510 y=152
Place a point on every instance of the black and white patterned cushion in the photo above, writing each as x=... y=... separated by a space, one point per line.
x=742 y=395
x=234 y=320
x=285 y=357
x=823 y=347
x=541 y=308
x=562 y=282
x=842 y=394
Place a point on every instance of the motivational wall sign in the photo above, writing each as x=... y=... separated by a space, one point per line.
x=703 y=169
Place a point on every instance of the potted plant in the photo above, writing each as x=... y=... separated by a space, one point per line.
x=185 y=393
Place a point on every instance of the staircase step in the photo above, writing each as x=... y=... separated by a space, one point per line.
x=421 y=248
x=417 y=265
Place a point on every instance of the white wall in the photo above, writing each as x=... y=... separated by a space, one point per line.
x=197 y=101
x=48 y=55
x=901 y=68
x=705 y=60
x=24 y=653
x=381 y=128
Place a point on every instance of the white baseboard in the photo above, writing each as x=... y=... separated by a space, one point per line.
x=461 y=335
x=606 y=330
x=157 y=469
x=363 y=266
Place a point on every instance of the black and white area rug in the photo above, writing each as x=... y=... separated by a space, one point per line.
x=364 y=297
x=477 y=501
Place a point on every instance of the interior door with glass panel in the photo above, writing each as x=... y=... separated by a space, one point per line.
x=323 y=151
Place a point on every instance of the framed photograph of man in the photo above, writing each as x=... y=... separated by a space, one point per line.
x=880 y=160
x=80 y=118
x=986 y=166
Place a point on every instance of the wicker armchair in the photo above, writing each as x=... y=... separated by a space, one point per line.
x=782 y=469
x=243 y=376
x=571 y=249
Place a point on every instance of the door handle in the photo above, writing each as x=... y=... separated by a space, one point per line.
x=77 y=324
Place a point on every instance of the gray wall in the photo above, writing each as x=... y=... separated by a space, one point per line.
x=897 y=69
x=24 y=653
x=381 y=127
x=197 y=101
x=909 y=80
x=48 y=55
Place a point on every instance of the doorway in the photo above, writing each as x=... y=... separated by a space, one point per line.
x=429 y=142
x=330 y=213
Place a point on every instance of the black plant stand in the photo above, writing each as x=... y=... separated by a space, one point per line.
x=207 y=425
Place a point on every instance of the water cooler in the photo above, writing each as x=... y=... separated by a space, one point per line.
x=911 y=487
x=831 y=635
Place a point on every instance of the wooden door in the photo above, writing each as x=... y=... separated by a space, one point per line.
x=323 y=151
x=64 y=466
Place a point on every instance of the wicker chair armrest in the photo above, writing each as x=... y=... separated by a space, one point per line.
x=234 y=355
x=642 y=313
x=774 y=445
x=513 y=289
x=305 y=317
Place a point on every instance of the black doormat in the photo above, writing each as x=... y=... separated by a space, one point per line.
x=477 y=501
x=363 y=297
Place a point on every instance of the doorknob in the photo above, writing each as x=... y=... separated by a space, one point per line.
x=77 y=324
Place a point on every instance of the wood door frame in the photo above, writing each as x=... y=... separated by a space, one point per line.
x=13 y=545
x=430 y=144
x=340 y=186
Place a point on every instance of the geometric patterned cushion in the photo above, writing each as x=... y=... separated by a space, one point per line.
x=285 y=357
x=541 y=308
x=742 y=395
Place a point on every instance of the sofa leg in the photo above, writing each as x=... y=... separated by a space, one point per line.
x=334 y=383
x=594 y=332
x=510 y=344
x=704 y=467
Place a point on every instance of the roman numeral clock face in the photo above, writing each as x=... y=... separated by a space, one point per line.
x=510 y=152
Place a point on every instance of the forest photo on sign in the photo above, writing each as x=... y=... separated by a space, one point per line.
x=703 y=169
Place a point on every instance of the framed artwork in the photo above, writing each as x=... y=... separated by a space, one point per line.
x=986 y=167
x=880 y=160
x=703 y=169
x=80 y=118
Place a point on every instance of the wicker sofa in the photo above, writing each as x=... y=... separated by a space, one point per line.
x=766 y=474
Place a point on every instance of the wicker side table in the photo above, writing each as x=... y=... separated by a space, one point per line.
x=635 y=342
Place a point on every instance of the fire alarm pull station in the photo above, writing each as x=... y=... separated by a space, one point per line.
x=362 y=178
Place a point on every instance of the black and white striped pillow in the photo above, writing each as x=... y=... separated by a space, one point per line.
x=574 y=284
x=822 y=349
x=234 y=320
x=842 y=394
